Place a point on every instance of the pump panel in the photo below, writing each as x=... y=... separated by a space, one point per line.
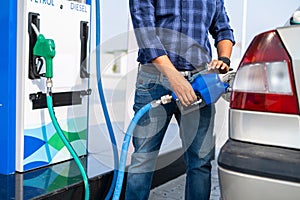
x=67 y=24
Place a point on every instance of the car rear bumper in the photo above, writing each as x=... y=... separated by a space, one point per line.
x=251 y=171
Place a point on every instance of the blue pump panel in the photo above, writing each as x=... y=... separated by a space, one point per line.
x=8 y=21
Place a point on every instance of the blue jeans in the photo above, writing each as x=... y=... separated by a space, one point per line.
x=196 y=132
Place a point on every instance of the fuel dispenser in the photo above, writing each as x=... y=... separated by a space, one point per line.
x=33 y=140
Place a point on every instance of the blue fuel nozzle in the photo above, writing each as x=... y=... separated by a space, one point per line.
x=209 y=87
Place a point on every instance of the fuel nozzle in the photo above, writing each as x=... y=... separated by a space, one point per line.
x=208 y=88
x=45 y=48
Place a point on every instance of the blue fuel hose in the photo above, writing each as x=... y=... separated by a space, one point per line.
x=125 y=146
x=103 y=103
x=68 y=145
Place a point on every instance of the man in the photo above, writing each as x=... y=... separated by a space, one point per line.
x=173 y=38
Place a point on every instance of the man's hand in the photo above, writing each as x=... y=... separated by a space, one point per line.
x=219 y=65
x=180 y=86
x=224 y=49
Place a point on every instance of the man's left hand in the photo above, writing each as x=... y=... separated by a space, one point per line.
x=219 y=65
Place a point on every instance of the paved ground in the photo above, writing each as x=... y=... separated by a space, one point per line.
x=174 y=190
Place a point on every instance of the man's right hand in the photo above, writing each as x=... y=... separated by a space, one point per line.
x=183 y=89
x=180 y=86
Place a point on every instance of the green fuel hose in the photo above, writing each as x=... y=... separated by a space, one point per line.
x=68 y=145
x=46 y=48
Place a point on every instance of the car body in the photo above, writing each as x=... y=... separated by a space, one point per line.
x=261 y=158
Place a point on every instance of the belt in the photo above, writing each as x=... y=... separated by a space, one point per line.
x=150 y=68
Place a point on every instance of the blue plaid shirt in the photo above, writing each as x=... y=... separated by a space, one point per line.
x=179 y=29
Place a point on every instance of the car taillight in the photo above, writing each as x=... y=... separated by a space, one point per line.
x=264 y=80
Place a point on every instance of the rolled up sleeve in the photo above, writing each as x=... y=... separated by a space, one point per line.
x=143 y=20
x=220 y=28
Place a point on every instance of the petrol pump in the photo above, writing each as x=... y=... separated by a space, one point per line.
x=27 y=126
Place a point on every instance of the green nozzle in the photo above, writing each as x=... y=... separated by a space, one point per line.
x=45 y=48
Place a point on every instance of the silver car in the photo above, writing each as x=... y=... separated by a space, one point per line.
x=261 y=158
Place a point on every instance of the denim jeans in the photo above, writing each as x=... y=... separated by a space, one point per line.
x=196 y=133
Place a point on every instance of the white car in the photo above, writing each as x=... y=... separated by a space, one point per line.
x=261 y=158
